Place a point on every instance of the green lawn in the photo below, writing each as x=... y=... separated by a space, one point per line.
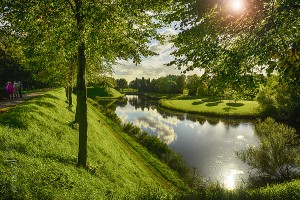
x=39 y=136
x=111 y=93
x=213 y=108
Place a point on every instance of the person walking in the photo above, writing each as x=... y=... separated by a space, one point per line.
x=16 y=89
x=20 y=89
x=10 y=90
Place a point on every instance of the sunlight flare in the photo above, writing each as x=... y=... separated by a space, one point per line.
x=236 y=5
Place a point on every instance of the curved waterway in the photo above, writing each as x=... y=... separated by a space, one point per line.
x=207 y=144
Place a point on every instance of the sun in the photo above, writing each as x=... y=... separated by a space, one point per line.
x=236 y=5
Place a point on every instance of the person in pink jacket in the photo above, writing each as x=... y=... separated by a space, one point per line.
x=10 y=90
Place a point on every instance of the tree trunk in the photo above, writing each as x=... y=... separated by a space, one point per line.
x=82 y=106
x=66 y=89
x=70 y=99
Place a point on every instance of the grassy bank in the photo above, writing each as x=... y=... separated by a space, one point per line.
x=39 y=150
x=213 y=108
x=109 y=93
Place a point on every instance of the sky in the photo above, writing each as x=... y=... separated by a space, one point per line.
x=152 y=67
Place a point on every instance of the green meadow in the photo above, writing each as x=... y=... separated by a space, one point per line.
x=213 y=107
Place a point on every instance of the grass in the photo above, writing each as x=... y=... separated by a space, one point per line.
x=38 y=154
x=110 y=93
x=158 y=96
x=213 y=107
x=37 y=134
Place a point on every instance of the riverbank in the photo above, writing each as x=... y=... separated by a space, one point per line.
x=223 y=108
x=39 y=153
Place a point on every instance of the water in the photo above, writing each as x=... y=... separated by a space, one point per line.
x=207 y=144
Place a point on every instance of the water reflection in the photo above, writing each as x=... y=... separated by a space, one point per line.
x=208 y=144
x=162 y=130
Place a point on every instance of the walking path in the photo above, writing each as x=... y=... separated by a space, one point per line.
x=7 y=103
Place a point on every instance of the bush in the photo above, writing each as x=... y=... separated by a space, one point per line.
x=277 y=157
x=279 y=99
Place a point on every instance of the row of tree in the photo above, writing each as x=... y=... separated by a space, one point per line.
x=172 y=84
x=202 y=86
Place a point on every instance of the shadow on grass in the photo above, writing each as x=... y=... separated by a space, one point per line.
x=12 y=117
x=211 y=104
x=235 y=104
x=197 y=102
x=44 y=104
x=187 y=97
x=96 y=91
x=227 y=109
x=42 y=96
x=68 y=160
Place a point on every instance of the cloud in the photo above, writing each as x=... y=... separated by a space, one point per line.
x=152 y=67
x=164 y=132
x=168 y=31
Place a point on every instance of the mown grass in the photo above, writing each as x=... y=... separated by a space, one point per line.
x=38 y=156
x=110 y=93
x=158 y=96
x=213 y=107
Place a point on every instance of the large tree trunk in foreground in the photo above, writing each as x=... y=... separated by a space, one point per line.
x=82 y=107
x=81 y=89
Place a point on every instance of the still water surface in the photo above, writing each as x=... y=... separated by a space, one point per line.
x=207 y=144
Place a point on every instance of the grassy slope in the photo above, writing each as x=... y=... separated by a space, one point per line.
x=37 y=134
x=214 y=108
x=93 y=92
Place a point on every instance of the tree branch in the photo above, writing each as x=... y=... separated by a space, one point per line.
x=71 y=5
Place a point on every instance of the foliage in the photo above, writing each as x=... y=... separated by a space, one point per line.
x=170 y=84
x=277 y=155
x=122 y=83
x=12 y=64
x=232 y=47
x=166 y=86
x=279 y=100
x=193 y=82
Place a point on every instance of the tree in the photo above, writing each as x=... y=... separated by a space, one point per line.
x=166 y=85
x=181 y=83
x=231 y=46
x=122 y=83
x=193 y=82
x=113 y=29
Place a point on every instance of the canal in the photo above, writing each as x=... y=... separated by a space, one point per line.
x=206 y=144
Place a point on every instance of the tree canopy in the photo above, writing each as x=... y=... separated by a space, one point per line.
x=263 y=37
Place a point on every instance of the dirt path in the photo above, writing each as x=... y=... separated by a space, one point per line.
x=7 y=103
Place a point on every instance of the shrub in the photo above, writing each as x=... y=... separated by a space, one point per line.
x=277 y=156
x=279 y=99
